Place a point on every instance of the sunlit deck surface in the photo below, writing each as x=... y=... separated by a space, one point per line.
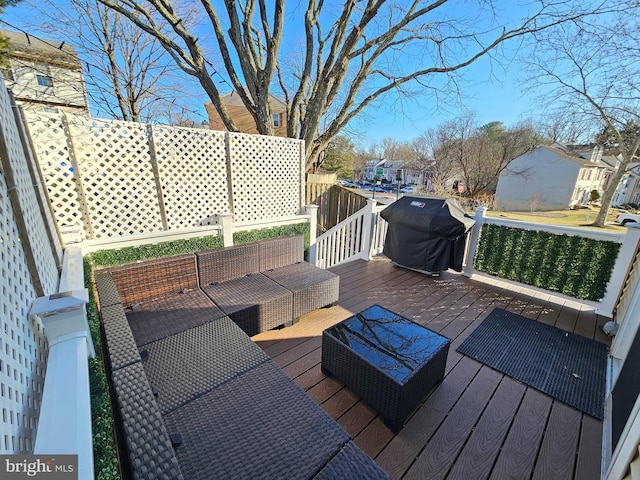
x=478 y=423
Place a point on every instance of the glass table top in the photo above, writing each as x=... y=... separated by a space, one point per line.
x=392 y=343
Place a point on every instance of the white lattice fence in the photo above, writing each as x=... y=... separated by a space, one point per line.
x=267 y=176
x=23 y=240
x=118 y=179
x=193 y=175
x=114 y=179
x=50 y=138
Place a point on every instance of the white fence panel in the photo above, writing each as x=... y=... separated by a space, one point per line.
x=193 y=175
x=267 y=177
x=110 y=179
x=113 y=163
x=351 y=239
x=23 y=348
x=50 y=138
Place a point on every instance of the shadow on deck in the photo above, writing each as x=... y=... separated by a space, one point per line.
x=478 y=423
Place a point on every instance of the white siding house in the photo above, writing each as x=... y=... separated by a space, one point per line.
x=45 y=74
x=550 y=178
x=399 y=171
x=628 y=190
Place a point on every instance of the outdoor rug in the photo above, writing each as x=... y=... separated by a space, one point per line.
x=564 y=365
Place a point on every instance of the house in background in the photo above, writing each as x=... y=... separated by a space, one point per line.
x=45 y=74
x=399 y=171
x=628 y=190
x=243 y=119
x=552 y=177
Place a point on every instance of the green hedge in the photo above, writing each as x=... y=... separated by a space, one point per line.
x=143 y=252
x=105 y=458
x=575 y=266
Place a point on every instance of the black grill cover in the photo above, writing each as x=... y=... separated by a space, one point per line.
x=426 y=233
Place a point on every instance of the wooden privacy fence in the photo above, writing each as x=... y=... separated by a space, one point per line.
x=335 y=203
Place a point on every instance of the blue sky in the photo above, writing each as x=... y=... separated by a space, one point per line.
x=491 y=99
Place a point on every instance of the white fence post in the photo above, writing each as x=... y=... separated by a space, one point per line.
x=226 y=221
x=312 y=211
x=367 y=229
x=620 y=270
x=472 y=244
x=64 y=424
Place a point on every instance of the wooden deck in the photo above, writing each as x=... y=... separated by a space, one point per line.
x=478 y=423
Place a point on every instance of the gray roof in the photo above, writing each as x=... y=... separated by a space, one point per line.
x=27 y=46
x=574 y=157
x=233 y=100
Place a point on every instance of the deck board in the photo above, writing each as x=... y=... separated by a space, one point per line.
x=478 y=423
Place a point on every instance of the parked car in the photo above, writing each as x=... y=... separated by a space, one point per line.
x=408 y=189
x=375 y=188
x=624 y=218
x=348 y=184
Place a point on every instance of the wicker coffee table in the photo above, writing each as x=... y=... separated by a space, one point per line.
x=390 y=361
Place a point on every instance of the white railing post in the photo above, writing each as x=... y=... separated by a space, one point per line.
x=225 y=220
x=620 y=270
x=64 y=423
x=312 y=211
x=367 y=229
x=472 y=244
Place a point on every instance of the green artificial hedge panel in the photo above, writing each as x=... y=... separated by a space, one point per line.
x=105 y=457
x=575 y=266
x=105 y=258
x=121 y=256
x=264 y=233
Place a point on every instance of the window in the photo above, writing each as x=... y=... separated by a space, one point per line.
x=44 y=80
x=7 y=73
x=277 y=120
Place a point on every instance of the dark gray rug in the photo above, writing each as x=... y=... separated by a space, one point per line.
x=564 y=365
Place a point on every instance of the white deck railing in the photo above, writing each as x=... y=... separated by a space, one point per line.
x=358 y=237
x=362 y=235
x=64 y=425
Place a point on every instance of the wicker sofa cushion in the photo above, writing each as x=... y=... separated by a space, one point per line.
x=198 y=360
x=254 y=302
x=281 y=251
x=228 y=263
x=156 y=319
x=312 y=287
x=259 y=424
x=153 y=279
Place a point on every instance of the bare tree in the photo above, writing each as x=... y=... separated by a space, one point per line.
x=128 y=74
x=395 y=150
x=462 y=151
x=591 y=68
x=435 y=160
x=565 y=127
x=349 y=56
x=485 y=152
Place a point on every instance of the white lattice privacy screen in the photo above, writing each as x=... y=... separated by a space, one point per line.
x=113 y=178
x=30 y=255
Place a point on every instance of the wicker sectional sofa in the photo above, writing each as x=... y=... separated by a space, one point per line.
x=196 y=397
